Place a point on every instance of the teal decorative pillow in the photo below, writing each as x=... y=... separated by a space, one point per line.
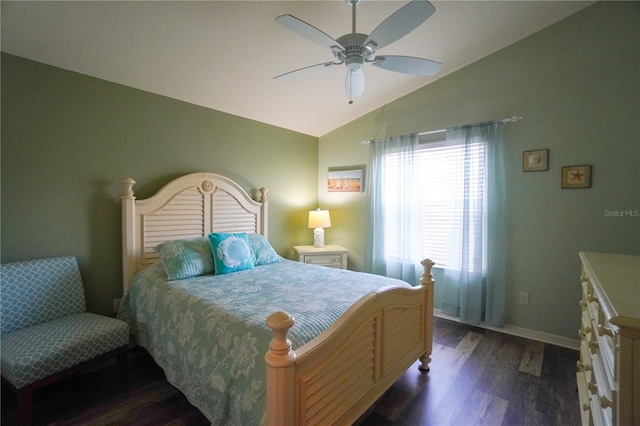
x=186 y=258
x=263 y=252
x=231 y=252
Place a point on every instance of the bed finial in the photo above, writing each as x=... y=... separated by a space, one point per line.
x=263 y=194
x=280 y=353
x=128 y=188
x=427 y=264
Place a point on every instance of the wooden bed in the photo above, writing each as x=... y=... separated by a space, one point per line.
x=337 y=376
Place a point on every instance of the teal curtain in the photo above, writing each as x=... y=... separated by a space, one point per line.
x=474 y=278
x=394 y=222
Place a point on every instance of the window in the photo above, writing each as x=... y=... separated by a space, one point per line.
x=442 y=200
x=451 y=180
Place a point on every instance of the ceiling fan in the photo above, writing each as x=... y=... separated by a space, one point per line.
x=356 y=49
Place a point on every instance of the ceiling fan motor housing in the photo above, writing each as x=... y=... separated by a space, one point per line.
x=354 y=53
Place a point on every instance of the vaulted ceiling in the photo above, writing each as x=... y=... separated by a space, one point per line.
x=224 y=54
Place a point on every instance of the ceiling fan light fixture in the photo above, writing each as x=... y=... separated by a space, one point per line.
x=354 y=63
x=354 y=84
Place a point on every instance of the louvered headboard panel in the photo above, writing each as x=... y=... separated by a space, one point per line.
x=230 y=215
x=190 y=206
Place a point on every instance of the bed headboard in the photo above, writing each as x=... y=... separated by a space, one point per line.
x=192 y=205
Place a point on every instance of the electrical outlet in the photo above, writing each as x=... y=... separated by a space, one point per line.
x=116 y=305
x=524 y=298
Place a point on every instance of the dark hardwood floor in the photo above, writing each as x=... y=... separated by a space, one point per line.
x=477 y=377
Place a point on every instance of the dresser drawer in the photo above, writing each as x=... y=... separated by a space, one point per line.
x=333 y=256
x=584 y=363
x=583 y=397
x=601 y=329
x=331 y=260
x=601 y=394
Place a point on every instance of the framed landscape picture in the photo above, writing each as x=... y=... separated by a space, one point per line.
x=348 y=179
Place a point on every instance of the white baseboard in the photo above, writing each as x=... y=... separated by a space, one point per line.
x=527 y=333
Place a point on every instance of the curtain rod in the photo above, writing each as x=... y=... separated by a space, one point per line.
x=512 y=119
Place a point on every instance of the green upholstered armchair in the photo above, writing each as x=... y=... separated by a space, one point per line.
x=46 y=331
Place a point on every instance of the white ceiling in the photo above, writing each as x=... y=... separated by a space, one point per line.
x=224 y=54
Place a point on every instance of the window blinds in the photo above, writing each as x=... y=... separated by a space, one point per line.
x=446 y=173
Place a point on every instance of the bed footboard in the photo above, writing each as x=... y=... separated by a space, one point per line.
x=337 y=376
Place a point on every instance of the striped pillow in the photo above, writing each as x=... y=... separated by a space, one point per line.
x=186 y=258
x=263 y=252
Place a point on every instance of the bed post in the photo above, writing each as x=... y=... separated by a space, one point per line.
x=263 y=212
x=280 y=379
x=427 y=282
x=128 y=234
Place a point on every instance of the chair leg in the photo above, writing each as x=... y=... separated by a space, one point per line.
x=123 y=367
x=25 y=402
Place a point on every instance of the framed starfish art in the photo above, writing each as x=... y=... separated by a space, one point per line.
x=576 y=177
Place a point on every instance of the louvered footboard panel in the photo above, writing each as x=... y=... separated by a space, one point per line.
x=334 y=385
x=403 y=335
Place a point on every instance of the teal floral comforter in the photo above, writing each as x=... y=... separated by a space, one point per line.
x=209 y=334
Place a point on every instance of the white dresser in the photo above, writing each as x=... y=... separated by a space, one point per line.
x=609 y=367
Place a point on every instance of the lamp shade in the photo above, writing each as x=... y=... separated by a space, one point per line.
x=319 y=219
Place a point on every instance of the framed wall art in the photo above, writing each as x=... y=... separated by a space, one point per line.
x=535 y=161
x=345 y=179
x=576 y=177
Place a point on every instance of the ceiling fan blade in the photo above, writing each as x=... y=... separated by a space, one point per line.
x=400 y=23
x=407 y=64
x=307 y=31
x=304 y=70
x=354 y=84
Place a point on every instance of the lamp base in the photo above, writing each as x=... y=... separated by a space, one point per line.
x=318 y=237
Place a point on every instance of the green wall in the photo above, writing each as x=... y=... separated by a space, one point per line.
x=577 y=85
x=68 y=140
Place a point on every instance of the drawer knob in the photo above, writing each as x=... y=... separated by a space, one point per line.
x=584 y=330
x=583 y=366
x=594 y=346
x=592 y=298
x=593 y=388
x=605 y=402
x=602 y=330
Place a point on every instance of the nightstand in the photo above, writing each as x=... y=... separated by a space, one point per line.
x=332 y=256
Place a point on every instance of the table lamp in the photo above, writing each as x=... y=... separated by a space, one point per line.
x=319 y=219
